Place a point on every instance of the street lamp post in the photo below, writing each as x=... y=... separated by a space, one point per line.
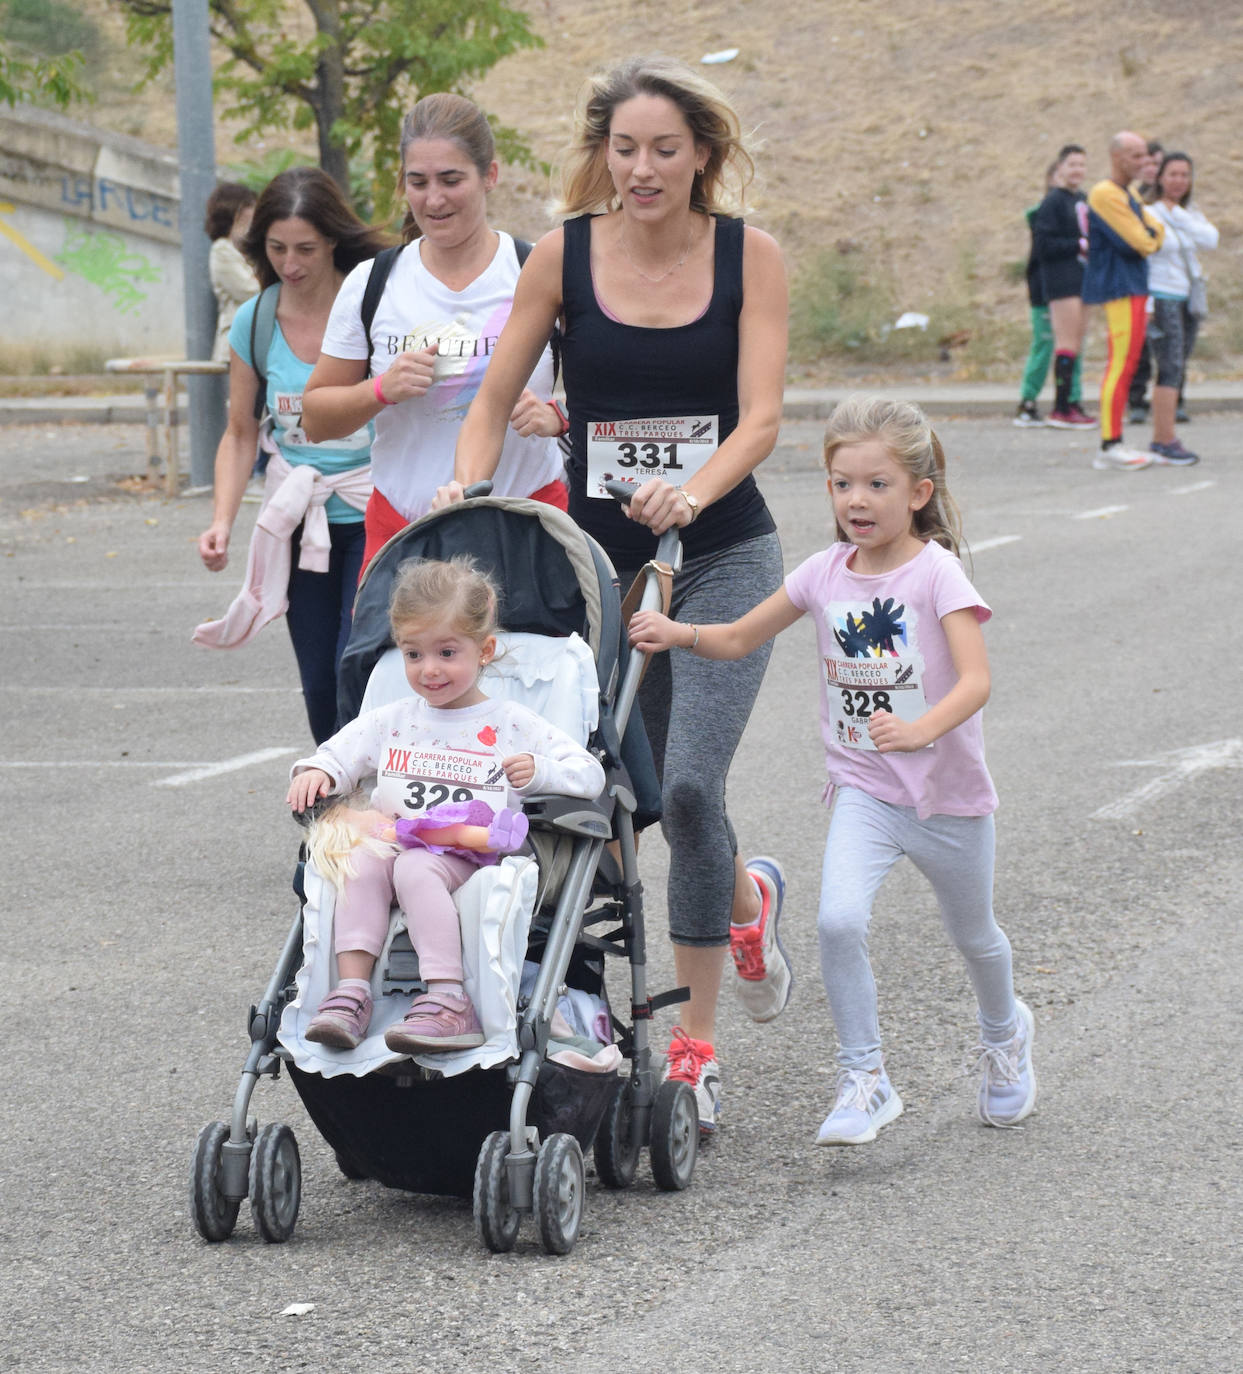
x=196 y=153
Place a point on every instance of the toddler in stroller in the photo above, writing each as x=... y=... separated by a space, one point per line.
x=507 y=1124
x=447 y=761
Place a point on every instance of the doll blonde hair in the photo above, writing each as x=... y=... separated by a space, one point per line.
x=909 y=440
x=334 y=837
x=722 y=185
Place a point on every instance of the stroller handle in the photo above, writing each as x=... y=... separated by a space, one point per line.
x=668 y=547
x=483 y=488
x=668 y=553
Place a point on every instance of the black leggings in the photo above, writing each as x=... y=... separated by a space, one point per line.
x=320 y=612
x=695 y=711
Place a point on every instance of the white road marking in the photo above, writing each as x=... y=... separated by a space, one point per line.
x=213 y=770
x=1100 y=513
x=993 y=543
x=188 y=770
x=1179 y=766
x=1195 y=486
x=143 y=691
x=100 y=586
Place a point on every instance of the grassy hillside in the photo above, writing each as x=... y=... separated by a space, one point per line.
x=898 y=144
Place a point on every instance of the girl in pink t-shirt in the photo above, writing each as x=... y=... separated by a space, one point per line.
x=904 y=677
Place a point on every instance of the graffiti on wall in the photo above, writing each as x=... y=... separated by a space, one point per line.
x=16 y=236
x=104 y=260
x=103 y=196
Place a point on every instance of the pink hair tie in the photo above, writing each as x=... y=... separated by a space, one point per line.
x=379 y=393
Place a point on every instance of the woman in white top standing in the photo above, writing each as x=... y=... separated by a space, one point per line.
x=1176 y=291
x=447 y=296
x=227 y=221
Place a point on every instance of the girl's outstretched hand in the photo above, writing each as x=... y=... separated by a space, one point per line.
x=307 y=788
x=651 y=632
x=892 y=735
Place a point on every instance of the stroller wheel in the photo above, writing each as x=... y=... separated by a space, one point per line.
x=617 y=1144
x=558 y=1197
x=496 y=1222
x=674 y=1145
x=213 y=1213
x=275 y=1183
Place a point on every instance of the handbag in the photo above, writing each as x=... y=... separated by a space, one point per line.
x=1197 y=296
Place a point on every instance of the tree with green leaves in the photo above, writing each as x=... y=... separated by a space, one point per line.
x=350 y=67
x=41 y=80
x=44 y=53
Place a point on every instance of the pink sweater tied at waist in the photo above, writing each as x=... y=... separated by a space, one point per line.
x=293 y=495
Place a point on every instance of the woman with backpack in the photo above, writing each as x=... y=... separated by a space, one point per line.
x=411 y=335
x=303 y=240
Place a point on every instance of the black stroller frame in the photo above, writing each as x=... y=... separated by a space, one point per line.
x=534 y=1163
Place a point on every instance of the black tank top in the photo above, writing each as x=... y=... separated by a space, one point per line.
x=649 y=402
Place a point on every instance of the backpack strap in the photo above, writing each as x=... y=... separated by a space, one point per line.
x=522 y=250
x=381 y=266
x=262 y=327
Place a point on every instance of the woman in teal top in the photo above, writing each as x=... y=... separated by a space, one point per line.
x=303 y=240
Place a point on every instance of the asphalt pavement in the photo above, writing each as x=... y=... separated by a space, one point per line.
x=152 y=861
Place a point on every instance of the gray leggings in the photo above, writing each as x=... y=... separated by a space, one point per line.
x=695 y=711
x=955 y=853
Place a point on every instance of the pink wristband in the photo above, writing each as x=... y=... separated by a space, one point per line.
x=379 y=392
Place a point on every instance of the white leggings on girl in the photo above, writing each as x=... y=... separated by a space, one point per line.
x=423 y=883
x=955 y=853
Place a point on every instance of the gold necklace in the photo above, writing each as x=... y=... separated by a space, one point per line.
x=686 y=252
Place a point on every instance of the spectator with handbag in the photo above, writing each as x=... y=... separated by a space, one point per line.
x=1178 y=300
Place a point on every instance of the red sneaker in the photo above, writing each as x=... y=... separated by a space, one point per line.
x=764 y=975
x=694 y=1062
x=1069 y=419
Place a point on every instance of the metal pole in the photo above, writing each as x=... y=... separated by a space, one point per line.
x=196 y=151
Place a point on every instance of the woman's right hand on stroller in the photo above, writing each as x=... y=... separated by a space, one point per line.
x=307 y=788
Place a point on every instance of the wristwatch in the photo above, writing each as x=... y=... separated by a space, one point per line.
x=692 y=502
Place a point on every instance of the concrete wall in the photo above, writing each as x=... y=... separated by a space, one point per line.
x=90 y=258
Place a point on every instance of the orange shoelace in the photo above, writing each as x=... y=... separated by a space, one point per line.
x=687 y=1057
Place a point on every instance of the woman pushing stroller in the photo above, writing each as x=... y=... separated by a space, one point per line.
x=451 y=767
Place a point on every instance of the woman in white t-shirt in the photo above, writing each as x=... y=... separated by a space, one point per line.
x=417 y=369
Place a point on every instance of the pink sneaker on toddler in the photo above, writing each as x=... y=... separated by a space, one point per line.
x=436 y=1021
x=341 y=1019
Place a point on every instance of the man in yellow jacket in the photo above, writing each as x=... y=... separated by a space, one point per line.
x=1122 y=234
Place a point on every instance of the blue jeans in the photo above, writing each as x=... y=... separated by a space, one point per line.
x=321 y=608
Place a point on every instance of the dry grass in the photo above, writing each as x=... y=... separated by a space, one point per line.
x=911 y=136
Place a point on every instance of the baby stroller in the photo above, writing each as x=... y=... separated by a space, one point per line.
x=510 y=1133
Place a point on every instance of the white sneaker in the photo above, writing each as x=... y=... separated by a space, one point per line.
x=866 y=1101
x=1007 y=1079
x=1126 y=459
x=760 y=961
x=694 y=1062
